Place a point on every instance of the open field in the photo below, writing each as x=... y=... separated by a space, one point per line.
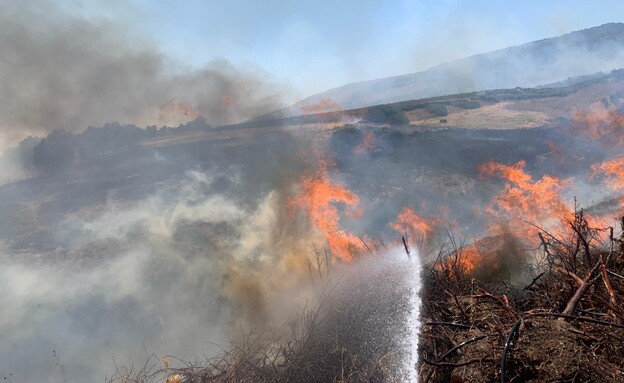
x=493 y=116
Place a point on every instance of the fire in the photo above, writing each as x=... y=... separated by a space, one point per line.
x=318 y=197
x=469 y=257
x=488 y=258
x=176 y=111
x=613 y=170
x=324 y=106
x=226 y=102
x=367 y=145
x=537 y=202
x=601 y=124
x=463 y=260
x=412 y=224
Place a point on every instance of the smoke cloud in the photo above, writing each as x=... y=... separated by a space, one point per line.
x=538 y=63
x=173 y=273
x=61 y=71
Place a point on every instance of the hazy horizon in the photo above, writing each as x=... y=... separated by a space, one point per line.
x=313 y=47
x=75 y=63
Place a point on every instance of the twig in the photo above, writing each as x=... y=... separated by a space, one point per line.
x=607 y=283
x=534 y=280
x=516 y=326
x=584 y=285
x=615 y=274
x=407 y=249
x=449 y=352
x=504 y=302
x=451 y=324
x=458 y=364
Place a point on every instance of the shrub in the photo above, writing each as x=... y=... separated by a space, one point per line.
x=437 y=110
x=55 y=152
x=466 y=104
x=386 y=114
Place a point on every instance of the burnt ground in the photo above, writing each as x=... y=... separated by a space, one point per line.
x=437 y=166
x=406 y=165
x=545 y=350
x=479 y=327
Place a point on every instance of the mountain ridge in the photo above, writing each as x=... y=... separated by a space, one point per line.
x=531 y=64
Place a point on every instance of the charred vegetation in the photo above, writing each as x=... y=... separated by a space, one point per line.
x=564 y=322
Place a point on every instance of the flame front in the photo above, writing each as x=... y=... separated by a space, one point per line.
x=324 y=106
x=613 y=170
x=367 y=145
x=468 y=258
x=318 y=197
x=538 y=202
x=412 y=224
x=601 y=124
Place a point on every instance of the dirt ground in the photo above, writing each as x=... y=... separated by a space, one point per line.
x=493 y=116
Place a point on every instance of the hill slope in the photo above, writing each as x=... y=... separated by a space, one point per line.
x=554 y=59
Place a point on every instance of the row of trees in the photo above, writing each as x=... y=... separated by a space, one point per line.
x=61 y=149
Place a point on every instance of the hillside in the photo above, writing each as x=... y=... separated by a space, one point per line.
x=528 y=65
x=492 y=109
x=191 y=212
x=167 y=215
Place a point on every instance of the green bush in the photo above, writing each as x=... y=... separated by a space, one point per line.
x=466 y=104
x=437 y=110
x=386 y=114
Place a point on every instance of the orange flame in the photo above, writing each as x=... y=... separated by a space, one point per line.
x=318 y=197
x=176 y=111
x=226 y=102
x=601 y=124
x=469 y=258
x=414 y=225
x=367 y=145
x=323 y=106
x=465 y=260
x=613 y=170
x=486 y=258
x=537 y=202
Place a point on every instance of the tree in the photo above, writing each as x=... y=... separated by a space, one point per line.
x=55 y=152
x=386 y=114
x=437 y=110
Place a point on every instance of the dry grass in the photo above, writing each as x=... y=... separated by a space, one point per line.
x=345 y=335
x=493 y=116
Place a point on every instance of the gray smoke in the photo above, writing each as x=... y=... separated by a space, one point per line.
x=61 y=71
x=533 y=64
x=175 y=273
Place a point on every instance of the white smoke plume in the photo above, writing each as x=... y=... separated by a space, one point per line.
x=169 y=274
x=68 y=72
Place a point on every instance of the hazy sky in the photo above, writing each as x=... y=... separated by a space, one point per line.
x=70 y=64
x=315 y=45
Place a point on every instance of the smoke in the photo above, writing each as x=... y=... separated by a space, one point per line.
x=63 y=71
x=18 y=162
x=143 y=294
x=169 y=274
x=128 y=244
x=532 y=64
